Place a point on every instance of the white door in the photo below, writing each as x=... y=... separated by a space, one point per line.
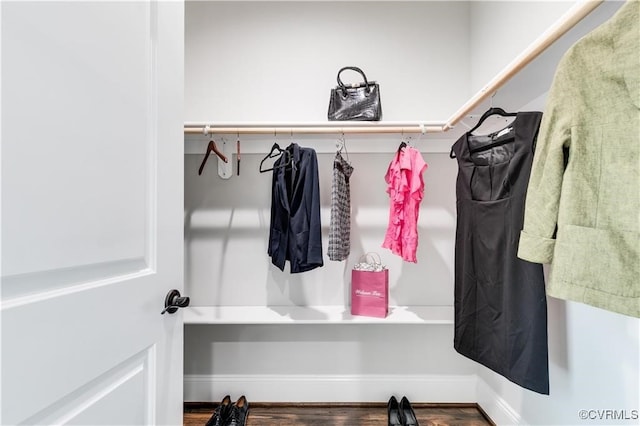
x=92 y=209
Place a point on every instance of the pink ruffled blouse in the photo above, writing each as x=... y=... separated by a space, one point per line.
x=405 y=187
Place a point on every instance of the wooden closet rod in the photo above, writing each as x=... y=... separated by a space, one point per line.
x=557 y=30
x=312 y=128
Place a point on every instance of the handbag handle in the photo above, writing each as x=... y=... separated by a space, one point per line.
x=356 y=69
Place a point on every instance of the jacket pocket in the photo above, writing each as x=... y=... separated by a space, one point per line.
x=606 y=260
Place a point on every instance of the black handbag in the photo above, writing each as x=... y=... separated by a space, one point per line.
x=360 y=101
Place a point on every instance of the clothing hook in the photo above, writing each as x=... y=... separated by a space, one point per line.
x=205 y=131
x=491 y=100
x=344 y=146
x=419 y=137
x=238 y=155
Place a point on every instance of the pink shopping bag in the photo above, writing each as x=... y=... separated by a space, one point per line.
x=370 y=290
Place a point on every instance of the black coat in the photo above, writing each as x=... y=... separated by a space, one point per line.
x=295 y=233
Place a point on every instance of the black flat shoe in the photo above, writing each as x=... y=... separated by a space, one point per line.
x=221 y=413
x=393 y=412
x=239 y=412
x=407 y=414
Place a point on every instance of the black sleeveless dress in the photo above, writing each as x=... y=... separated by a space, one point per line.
x=500 y=303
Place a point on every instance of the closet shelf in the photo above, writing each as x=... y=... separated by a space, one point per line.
x=313 y=315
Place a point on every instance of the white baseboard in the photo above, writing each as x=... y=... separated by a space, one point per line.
x=331 y=388
x=495 y=406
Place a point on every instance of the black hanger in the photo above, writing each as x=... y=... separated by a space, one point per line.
x=211 y=147
x=493 y=111
x=403 y=144
x=276 y=151
x=488 y=113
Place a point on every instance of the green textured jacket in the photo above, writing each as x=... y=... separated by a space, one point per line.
x=582 y=211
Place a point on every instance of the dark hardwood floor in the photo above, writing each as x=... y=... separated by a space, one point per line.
x=341 y=414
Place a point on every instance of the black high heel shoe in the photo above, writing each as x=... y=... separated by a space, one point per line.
x=393 y=412
x=407 y=414
x=221 y=413
x=239 y=412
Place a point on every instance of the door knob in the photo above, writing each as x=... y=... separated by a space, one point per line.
x=173 y=301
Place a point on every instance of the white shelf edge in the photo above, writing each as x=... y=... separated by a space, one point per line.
x=332 y=314
x=320 y=123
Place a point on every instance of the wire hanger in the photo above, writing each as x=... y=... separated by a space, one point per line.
x=276 y=151
x=211 y=147
x=341 y=145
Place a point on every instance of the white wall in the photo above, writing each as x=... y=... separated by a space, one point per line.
x=594 y=364
x=500 y=30
x=227 y=228
x=227 y=224
x=277 y=61
x=227 y=221
x=326 y=363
